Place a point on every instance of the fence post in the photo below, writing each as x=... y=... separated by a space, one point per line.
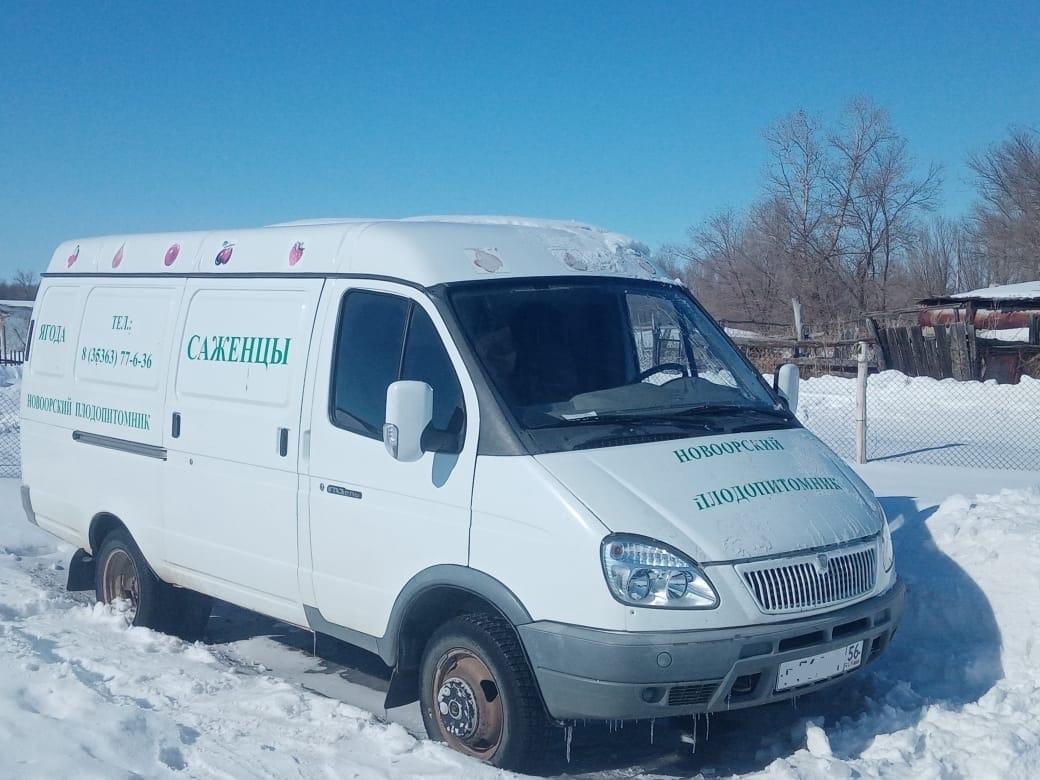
x=861 y=403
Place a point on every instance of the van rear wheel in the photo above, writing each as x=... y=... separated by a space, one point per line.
x=122 y=574
x=478 y=694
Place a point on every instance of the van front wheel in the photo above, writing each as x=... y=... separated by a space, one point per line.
x=123 y=575
x=478 y=694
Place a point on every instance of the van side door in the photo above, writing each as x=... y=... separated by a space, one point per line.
x=375 y=522
x=233 y=417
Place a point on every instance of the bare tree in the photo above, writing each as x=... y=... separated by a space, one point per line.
x=938 y=259
x=25 y=285
x=851 y=202
x=1007 y=216
x=835 y=227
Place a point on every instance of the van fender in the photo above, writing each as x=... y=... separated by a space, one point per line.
x=417 y=611
x=402 y=645
x=454 y=577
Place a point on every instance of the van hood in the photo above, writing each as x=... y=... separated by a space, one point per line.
x=724 y=498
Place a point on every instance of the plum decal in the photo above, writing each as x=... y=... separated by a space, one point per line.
x=171 y=255
x=224 y=255
x=73 y=257
x=296 y=253
x=117 y=258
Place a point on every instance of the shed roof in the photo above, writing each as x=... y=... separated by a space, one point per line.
x=1022 y=295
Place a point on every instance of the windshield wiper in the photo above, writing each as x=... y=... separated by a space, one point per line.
x=706 y=409
x=626 y=418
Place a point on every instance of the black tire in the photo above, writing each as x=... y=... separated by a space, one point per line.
x=122 y=573
x=478 y=695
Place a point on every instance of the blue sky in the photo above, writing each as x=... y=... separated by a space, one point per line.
x=643 y=117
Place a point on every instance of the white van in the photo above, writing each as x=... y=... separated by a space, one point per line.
x=507 y=456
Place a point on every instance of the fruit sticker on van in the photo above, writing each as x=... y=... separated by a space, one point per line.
x=224 y=255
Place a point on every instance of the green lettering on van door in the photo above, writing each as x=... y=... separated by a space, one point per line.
x=52 y=333
x=259 y=350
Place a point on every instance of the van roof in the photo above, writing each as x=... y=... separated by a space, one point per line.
x=422 y=250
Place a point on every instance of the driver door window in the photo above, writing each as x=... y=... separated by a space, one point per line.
x=382 y=338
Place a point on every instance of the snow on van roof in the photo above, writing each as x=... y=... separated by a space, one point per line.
x=425 y=250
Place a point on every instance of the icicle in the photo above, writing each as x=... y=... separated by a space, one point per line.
x=691 y=739
x=707 y=726
x=569 y=732
x=652 y=721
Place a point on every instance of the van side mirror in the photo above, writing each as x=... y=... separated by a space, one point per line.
x=785 y=382
x=409 y=409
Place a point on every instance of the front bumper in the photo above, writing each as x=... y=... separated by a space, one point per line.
x=586 y=673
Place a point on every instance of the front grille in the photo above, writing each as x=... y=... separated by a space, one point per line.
x=805 y=584
x=701 y=693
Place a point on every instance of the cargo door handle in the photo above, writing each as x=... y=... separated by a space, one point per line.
x=175 y=427
x=283 y=441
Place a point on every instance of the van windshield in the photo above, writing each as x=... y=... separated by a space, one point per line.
x=563 y=353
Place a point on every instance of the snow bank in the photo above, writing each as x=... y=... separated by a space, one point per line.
x=957 y=694
x=82 y=695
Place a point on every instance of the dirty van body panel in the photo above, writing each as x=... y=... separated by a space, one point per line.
x=589 y=673
x=92 y=408
x=373 y=522
x=233 y=426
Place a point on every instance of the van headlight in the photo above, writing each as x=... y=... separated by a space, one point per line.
x=646 y=573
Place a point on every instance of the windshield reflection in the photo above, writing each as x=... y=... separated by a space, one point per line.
x=564 y=352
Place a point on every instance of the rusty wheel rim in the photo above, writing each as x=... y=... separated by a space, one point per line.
x=468 y=704
x=120 y=580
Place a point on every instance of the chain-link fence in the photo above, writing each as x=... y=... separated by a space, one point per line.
x=923 y=420
x=10 y=451
x=917 y=419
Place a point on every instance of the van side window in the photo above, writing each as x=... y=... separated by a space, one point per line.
x=426 y=360
x=367 y=359
x=382 y=338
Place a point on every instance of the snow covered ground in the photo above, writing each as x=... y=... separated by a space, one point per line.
x=956 y=695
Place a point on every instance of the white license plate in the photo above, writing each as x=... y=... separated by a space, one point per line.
x=819 y=667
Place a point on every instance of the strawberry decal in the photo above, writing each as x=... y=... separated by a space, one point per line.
x=224 y=255
x=171 y=255
x=117 y=258
x=296 y=253
x=73 y=257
